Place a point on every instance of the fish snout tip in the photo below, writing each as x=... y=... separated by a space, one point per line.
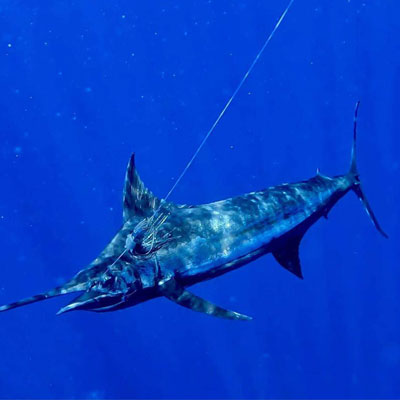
x=67 y=308
x=61 y=311
x=241 y=317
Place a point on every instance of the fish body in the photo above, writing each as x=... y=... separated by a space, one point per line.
x=217 y=237
x=162 y=248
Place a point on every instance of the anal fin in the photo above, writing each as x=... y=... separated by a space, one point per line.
x=287 y=254
x=178 y=294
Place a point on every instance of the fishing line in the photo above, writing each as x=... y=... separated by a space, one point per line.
x=130 y=241
x=228 y=103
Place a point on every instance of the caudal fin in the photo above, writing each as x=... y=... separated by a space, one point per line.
x=355 y=176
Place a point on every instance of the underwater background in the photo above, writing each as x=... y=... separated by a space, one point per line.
x=86 y=83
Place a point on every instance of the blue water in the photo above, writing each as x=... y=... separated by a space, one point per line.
x=84 y=84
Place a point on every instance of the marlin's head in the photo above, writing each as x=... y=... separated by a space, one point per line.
x=118 y=278
x=112 y=285
x=105 y=286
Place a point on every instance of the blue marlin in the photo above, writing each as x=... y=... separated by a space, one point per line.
x=162 y=248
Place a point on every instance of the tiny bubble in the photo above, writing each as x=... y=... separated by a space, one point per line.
x=88 y=89
x=9 y=45
x=17 y=150
x=123 y=16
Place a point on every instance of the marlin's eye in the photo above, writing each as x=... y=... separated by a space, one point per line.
x=108 y=282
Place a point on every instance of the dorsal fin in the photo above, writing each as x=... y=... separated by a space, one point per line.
x=138 y=200
x=288 y=255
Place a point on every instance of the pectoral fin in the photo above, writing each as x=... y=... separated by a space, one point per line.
x=178 y=294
